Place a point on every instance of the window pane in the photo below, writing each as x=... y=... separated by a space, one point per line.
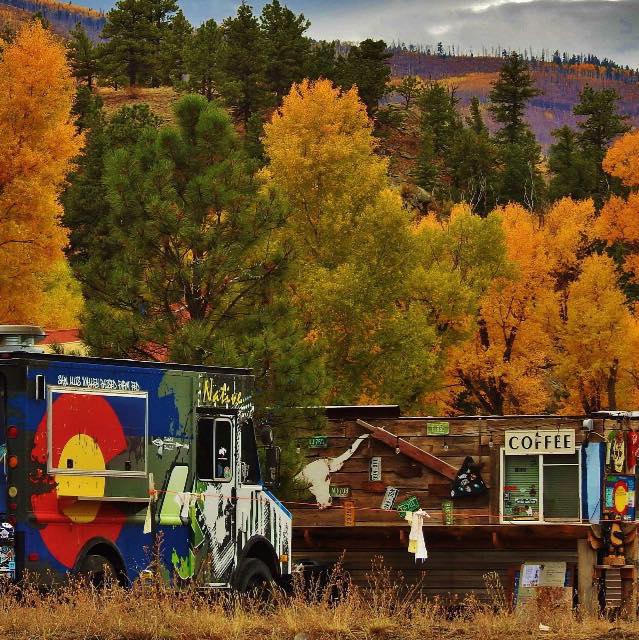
x=562 y=458
x=222 y=450
x=204 y=453
x=250 y=460
x=521 y=487
x=561 y=492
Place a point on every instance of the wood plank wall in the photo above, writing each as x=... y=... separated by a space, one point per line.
x=450 y=575
x=468 y=437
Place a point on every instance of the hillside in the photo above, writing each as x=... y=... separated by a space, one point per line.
x=560 y=85
x=62 y=16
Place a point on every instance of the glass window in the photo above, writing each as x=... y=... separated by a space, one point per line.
x=204 y=453
x=223 y=443
x=528 y=479
x=521 y=488
x=250 y=459
x=214 y=449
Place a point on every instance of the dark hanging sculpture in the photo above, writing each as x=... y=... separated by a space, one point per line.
x=468 y=481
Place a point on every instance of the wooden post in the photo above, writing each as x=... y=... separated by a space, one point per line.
x=629 y=581
x=586 y=561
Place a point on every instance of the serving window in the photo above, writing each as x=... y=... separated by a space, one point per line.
x=541 y=488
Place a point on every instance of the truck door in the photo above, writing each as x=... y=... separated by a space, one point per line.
x=216 y=465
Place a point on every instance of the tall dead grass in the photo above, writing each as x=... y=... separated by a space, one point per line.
x=386 y=608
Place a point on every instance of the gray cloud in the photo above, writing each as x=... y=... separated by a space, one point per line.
x=608 y=28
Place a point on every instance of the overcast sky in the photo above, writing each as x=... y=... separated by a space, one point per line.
x=605 y=27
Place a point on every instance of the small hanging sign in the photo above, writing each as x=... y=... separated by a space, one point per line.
x=349 y=513
x=339 y=492
x=318 y=442
x=410 y=504
x=389 y=498
x=375 y=469
x=448 y=510
x=438 y=428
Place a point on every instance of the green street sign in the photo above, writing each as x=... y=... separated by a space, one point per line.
x=339 y=492
x=448 y=509
x=318 y=442
x=437 y=428
x=410 y=504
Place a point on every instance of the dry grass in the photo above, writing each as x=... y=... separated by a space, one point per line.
x=385 y=609
x=160 y=100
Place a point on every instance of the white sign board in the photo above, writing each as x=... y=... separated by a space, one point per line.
x=375 y=470
x=524 y=443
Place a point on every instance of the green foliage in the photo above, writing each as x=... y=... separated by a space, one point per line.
x=409 y=89
x=365 y=67
x=177 y=37
x=244 y=63
x=83 y=56
x=87 y=108
x=600 y=125
x=509 y=97
x=573 y=173
x=438 y=115
x=321 y=61
x=202 y=55
x=287 y=48
x=475 y=120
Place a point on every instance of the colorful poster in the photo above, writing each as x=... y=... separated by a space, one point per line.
x=632 y=451
x=619 y=497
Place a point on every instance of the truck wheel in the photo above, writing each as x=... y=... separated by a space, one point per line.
x=253 y=576
x=98 y=571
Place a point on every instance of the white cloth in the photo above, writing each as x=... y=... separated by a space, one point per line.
x=416 y=541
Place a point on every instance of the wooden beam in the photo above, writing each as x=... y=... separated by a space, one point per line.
x=410 y=450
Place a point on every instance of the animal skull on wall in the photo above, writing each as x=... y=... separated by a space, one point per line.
x=318 y=473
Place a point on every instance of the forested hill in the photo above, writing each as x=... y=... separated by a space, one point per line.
x=560 y=84
x=62 y=16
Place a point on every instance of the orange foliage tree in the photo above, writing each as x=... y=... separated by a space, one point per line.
x=37 y=143
x=618 y=224
x=551 y=334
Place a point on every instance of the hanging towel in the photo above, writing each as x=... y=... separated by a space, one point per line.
x=416 y=542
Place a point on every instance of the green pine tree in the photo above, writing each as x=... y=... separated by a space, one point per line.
x=83 y=55
x=130 y=48
x=202 y=55
x=601 y=123
x=287 y=47
x=321 y=61
x=475 y=120
x=509 y=98
x=244 y=64
x=573 y=174
x=366 y=67
x=175 y=42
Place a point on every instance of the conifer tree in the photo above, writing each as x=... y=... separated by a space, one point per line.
x=83 y=55
x=202 y=59
x=176 y=38
x=130 y=35
x=509 y=97
x=244 y=64
x=321 y=61
x=365 y=67
x=573 y=173
x=600 y=125
x=287 y=48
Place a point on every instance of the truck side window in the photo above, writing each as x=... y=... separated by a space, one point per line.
x=250 y=459
x=223 y=447
x=204 y=455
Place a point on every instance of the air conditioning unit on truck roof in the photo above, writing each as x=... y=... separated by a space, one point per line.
x=103 y=459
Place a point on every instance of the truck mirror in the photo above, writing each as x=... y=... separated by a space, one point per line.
x=266 y=435
x=273 y=456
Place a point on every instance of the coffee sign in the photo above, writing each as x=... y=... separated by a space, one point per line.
x=523 y=443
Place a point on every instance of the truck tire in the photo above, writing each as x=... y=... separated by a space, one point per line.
x=253 y=576
x=98 y=571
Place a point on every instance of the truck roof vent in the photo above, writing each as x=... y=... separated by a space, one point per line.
x=21 y=337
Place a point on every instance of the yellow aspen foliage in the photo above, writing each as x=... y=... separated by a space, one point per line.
x=37 y=144
x=622 y=159
x=502 y=366
x=351 y=246
x=596 y=341
x=618 y=223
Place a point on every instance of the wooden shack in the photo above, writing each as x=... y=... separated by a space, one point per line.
x=502 y=494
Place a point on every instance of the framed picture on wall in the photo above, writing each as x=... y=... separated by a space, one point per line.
x=619 y=497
